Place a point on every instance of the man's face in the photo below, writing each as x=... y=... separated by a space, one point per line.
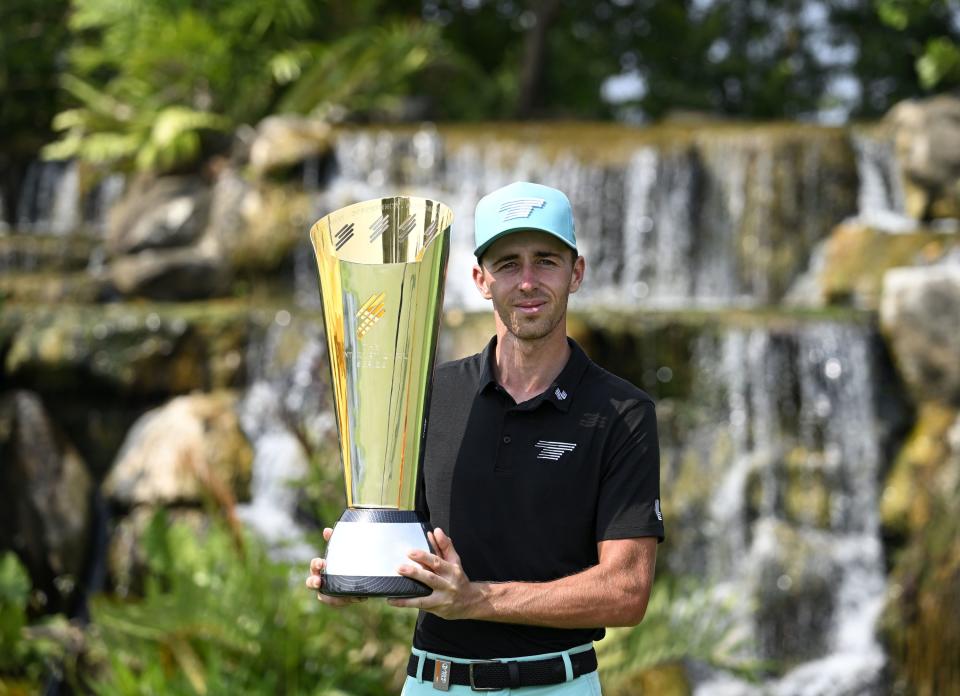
x=529 y=275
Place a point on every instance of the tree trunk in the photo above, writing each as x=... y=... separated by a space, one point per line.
x=530 y=95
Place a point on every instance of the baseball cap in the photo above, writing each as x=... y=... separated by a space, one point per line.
x=523 y=206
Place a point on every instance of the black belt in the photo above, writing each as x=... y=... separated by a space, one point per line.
x=490 y=675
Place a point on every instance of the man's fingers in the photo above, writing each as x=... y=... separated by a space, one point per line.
x=327 y=533
x=416 y=572
x=316 y=565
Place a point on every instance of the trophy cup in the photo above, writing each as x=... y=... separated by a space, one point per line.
x=381 y=265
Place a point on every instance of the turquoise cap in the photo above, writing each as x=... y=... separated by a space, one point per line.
x=523 y=206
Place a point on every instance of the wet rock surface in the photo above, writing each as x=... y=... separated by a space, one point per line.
x=47 y=489
x=189 y=451
x=920 y=313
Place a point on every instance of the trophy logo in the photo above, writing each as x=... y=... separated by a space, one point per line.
x=380 y=379
x=369 y=314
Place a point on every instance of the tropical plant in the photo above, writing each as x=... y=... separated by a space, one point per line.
x=219 y=616
x=685 y=620
x=157 y=82
x=26 y=654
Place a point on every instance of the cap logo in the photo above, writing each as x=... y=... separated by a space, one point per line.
x=520 y=208
x=554 y=450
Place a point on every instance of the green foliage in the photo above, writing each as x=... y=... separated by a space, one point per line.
x=940 y=63
x=26 y=654
x=158 y=83
x=684 y=621
x=14 y=591
x=31 y=42
x=218 y=616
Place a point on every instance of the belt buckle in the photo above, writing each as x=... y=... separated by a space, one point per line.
x=473 y=685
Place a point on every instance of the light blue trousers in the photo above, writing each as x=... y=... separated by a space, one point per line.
x=586 y=685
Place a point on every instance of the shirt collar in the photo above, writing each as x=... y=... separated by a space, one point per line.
x=560 y=393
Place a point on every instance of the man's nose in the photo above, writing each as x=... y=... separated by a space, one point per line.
x=528 y=277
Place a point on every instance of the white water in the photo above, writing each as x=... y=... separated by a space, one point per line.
x=832 y=401
x=283 y=410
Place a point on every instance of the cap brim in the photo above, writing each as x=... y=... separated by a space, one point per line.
x=478 y=252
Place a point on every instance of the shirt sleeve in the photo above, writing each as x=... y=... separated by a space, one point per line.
x=628 y=505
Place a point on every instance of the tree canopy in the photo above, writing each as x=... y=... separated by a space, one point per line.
x=156 y=84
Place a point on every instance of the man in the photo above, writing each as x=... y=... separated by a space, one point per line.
x=542 y=467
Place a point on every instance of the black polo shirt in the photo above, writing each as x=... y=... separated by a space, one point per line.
x=526 y=491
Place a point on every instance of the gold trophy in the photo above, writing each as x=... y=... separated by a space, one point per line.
x=382 y=264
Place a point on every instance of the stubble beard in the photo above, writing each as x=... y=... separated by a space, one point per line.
x=534 y=328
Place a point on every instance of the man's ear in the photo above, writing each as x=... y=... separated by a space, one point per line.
x=579 y=268
x=480 y=280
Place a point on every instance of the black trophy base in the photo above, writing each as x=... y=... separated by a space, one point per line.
x=360 y=586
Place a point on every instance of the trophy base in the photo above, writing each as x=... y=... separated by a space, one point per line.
x=367 y=546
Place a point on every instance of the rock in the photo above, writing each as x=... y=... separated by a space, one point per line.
x=920 y=315
x=187 y=452
x=919 y=624
x=160 y=213
x=47 y=489
x=188 y=273
x=282 y=141
x=921 y=470
x=927 y=143
x=855 y=257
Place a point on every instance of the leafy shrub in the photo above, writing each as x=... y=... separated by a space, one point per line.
x=219 y=616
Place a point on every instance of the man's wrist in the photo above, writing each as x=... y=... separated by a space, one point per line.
x=479 y=600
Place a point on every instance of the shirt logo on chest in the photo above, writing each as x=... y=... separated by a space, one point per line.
x=551 y=450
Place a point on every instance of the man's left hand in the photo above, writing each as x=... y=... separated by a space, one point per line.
x=453 y=593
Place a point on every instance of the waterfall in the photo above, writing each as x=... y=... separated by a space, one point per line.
x=792 y=531
x=880 y=197
x=723 y=220
x=283 y=414
x=52 y=201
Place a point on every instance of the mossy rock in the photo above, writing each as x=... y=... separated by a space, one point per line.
x=128 y=349
x=275 y=220
x=916 y=479
x=856 y=257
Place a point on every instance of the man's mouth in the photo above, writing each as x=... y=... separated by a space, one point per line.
x=530 y=306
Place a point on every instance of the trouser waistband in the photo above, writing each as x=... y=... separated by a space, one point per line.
x=502 y=673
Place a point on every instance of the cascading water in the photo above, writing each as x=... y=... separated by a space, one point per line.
x=791 y=532
x=284 y=412
x=51 y=200
x=881 y=198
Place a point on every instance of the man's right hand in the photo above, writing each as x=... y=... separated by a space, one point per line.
x=315 y=580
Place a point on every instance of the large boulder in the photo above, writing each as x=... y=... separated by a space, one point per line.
x=170 y=211
x=927 y=143
x=187 y=452
x=45 y=516
x=920 y=315
x=285 y=140
x=171 y=274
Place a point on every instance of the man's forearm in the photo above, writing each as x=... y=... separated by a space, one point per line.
x=613 y=595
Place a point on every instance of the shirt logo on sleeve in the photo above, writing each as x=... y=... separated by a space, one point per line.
x=551 y=450
x=656 y=509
